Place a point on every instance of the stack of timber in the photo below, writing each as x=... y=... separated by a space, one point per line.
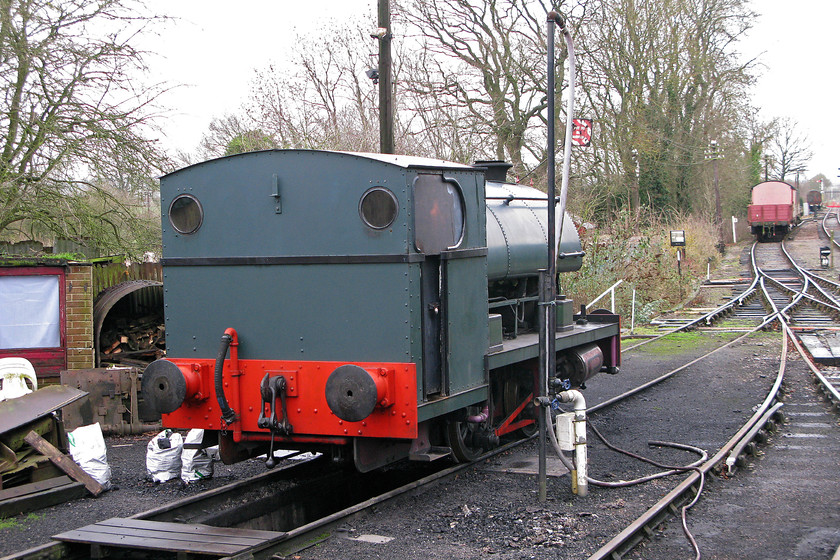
x=134 y=341
x=35 y=470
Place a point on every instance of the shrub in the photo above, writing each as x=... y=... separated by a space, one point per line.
x=639 y=253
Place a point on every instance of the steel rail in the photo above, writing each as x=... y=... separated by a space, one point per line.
x=835 y=285
x=835 y=303
x=825 y=229
x=659 y=512
x=729 y=453
x=759 y=276
x=708 y=317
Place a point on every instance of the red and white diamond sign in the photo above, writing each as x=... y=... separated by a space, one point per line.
x=581 y=132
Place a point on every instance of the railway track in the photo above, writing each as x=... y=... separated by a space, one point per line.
x=796 y=474
x=297 y=524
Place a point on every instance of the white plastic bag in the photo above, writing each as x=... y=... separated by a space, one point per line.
x=87 y=447
x=163 y=456
x=196 y=463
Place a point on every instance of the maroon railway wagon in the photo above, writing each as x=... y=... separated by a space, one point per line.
x=814 y=199
x=773 y=210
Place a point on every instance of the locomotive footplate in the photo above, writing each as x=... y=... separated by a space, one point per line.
x=526 y=346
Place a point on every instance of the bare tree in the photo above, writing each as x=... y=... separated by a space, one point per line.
x=325 y=99
x=71 y=118
x=484 y=62
x=229 y=135
x=789 y=148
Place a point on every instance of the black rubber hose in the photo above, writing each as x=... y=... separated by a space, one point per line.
x=228 y=415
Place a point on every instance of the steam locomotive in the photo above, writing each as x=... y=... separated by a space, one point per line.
x=375 y=307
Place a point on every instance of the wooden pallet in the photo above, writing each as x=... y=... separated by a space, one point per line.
x=186 y=541
x=40 y=494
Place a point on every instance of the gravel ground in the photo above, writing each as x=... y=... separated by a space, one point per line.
x=483 y=511
x=486 y=513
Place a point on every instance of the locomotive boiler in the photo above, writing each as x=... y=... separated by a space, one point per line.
x=374 y=307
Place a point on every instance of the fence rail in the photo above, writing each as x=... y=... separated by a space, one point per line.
x=107 y=275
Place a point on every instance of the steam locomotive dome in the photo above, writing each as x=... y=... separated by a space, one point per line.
x=517 y=233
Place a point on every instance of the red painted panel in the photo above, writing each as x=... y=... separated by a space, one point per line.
x=307 y=406
x=770 y=214
x=48 y=362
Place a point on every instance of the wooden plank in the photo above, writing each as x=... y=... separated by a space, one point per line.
x=38 y=500
x=146 y=543
x=184 y=537
x=194 y=527
x=32 y=487
x=63 y=462
x=176 y=537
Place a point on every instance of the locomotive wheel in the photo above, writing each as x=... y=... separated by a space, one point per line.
x=459 y=434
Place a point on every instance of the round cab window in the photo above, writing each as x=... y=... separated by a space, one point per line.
x=378 y=208
x=185 y=214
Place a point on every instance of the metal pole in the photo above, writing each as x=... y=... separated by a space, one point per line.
x=548 y=357
x=679 y=271
x=547 y=277
x=386 y=102
x=718 y=212
x=545 y=336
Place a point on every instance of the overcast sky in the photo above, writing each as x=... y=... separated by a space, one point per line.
x=214 y=50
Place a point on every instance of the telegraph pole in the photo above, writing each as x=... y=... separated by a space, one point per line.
x=718 y=212
x=386 y=102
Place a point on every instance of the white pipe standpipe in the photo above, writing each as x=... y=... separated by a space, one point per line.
x=575 y=437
